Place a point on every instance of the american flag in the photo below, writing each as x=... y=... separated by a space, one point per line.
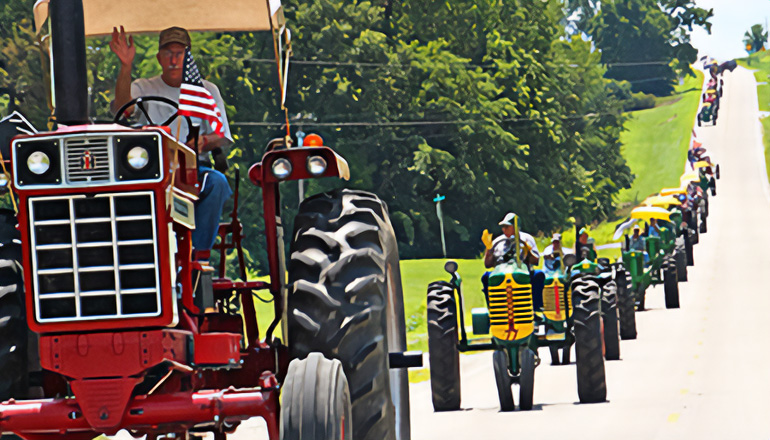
x=194 y=100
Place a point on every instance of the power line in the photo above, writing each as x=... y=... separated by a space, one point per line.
x=408 y=123
x=370 y=64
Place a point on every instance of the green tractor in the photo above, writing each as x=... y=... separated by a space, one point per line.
x=513 y=327
x=618 y=309
x=656 y=263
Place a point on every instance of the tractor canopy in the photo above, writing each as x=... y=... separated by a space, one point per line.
x=649 y=212
x=661 y=201
x=101 y=16
x=673 y=191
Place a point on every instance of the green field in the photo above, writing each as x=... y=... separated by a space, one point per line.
x=656 y=140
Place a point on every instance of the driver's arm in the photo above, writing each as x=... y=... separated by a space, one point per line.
x=489 y=258
x=122 y=89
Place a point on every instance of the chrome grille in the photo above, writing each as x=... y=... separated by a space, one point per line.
x=98 y=168
x=94 y=257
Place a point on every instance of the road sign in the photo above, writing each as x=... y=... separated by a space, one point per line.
x=438 y=200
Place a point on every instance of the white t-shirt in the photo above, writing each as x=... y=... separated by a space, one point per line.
x=160 y=112
x=502 y=245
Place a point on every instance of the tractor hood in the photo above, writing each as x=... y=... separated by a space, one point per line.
x=194 y=15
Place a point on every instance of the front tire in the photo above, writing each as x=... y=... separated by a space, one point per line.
x=315 y=400
x=442 y=347
x=341 y=281
x=503 y=380
x=591 y=383
x=526 y=379
x=681 y=260
x=611 y=322
x=626 y=306
x=670 y=284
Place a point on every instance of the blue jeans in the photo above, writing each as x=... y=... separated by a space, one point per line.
x=214 y=193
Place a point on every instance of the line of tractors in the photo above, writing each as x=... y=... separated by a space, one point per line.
x=709 y=111
x=586 y=302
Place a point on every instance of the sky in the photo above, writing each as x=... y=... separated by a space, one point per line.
x=732 y=18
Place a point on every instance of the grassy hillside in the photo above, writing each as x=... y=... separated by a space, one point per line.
x=656 y=140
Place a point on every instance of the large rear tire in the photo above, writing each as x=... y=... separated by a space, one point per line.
x=503 y=380
x=591 y=383
x=14 y=375
x=703 y=225
x=670 y=284
x=315 y=400
x=526 y=379
x=626 y=306
x=442 y=347
x=344 y=291
x=688 y=247
x=611 y=321
x=681 y=260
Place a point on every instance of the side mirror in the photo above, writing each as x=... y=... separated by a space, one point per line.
x=570 y=260
x=451 y=267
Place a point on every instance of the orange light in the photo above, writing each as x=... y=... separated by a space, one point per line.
x=313 y=140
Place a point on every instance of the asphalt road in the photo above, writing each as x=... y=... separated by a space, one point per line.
x=699 y=372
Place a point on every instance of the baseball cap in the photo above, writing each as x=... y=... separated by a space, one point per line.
x=556 y=237
x=508 y=219
x=174 y=34
x=637 y=228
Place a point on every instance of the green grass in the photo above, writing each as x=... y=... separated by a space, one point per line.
x=766 y=141
x=656 y=140
x=760 y=63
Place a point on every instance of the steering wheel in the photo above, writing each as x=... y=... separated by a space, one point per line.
x=122 y=119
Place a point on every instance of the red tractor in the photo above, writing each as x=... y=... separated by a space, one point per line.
x=107 y=323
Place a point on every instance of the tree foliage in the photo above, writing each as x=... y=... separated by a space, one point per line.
x=630 y=33
x=488 y=102
x=755 y=38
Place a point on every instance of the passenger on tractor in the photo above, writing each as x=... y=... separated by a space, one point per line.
x=553 y=253
x=654 y=229
x=501 y=250
x=638 y=244
x=214 y=188
x=584 y=247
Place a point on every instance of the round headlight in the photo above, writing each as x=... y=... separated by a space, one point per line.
x=38 y=162
x=316 y=165
x=138 y=157
x=281 y=169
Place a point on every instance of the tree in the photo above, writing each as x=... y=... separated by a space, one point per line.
x=645 y=42
x=755 y=39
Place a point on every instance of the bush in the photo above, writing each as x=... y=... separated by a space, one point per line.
x=639 y=101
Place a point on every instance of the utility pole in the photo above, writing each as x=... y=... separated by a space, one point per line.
x=438 y=200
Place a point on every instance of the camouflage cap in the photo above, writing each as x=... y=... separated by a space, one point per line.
x=174 y=34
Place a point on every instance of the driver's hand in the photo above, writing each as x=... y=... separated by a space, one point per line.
x=201 y=143
x=486 y=238
x=122 y=47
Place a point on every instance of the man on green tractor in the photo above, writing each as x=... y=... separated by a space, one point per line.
x=553 y=253
x=501 y=250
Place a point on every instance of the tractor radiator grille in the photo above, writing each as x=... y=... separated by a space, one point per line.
x=553 y=302
x=511 y=315
x=94 y=257
x=88 y=159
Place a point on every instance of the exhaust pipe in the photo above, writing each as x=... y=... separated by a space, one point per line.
x=68 y=44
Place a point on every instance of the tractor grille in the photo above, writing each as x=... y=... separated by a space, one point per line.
x=553 y=302
x=511 y=314
x=88 y=159
x=94 y=257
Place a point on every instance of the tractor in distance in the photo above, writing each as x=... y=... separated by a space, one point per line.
x=512 y=328
x=128 y=331
x=656 y=263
